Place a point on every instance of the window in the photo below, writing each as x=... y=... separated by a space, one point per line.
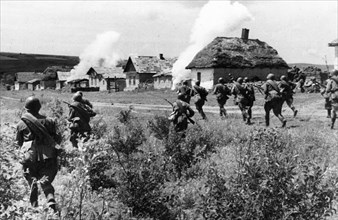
x=129 y=80
x=199 y=76
x=134 y=79
x=91 y=81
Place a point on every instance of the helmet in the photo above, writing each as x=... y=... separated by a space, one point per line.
x=180 y=96
x=270 y=76
x=246 y=79
x=335 y=73
x=32 y=104
x=240 y=80
x=185 y=82
x=285 y=78
x=197 y=82
x=221 y=80
x=77 y=97
x=79 y=92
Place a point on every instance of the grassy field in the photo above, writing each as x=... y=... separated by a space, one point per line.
x=153 y=178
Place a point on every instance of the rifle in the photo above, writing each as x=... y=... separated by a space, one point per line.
x=259 y=89
x=190 y=120
x=67 y=103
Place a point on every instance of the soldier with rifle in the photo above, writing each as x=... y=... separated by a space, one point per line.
x=327 y=104
x=79 y=116
x=332 y=89
x=222 y=92
x=273 y=100
x=185 y=92
x=287 y=89
x=37 y=136
x=241 y=98
x=181 y=114
x=200 y=94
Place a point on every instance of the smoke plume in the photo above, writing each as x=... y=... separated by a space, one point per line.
x=100 y=53
x=215 y=18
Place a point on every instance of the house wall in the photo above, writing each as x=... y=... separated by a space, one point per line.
x=60 y=84
x=94 y=82
x=48 y=84
x=20 y=86
x=120 y=84
x=163 y=82
x=210 y=76
x=132 y=81
x=335 y=63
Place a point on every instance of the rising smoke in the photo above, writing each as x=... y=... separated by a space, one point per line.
x=100 y=53
x=215 y=18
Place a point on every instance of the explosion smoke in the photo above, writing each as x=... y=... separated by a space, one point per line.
x=100 y=53
x=216 y=17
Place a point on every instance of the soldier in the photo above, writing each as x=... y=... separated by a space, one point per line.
x=332 y=89
x=200 y=94
x=301 y=80
x=312 y=85
x=273 y=100
x=185 y=92
x=79 y=116
x=84 y=101
x=181 y=114
x=241 y=98
x=37 y=136
x=287 y=89
x=327 y=97
x=222 y=92
x=251 y=97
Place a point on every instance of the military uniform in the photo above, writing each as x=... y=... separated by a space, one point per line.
x=79 y=116
x=332 y=89
x=222 y=92
x=273 y=100
x=181 y=114
x=37 y=136
x=200 y=95
x=286 y=88
x=185 y=91
x=251 y=97
x=241 y=99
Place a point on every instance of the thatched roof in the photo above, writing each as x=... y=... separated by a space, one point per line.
x=23 y=77
x=228 y=52
x=63 y=76
x=151 y=64
x=50 y=72
x=34 y=81
x=333 y=43
x=109 y=72
x=165 y=72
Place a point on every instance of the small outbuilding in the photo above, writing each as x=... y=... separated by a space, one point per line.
x=107 y=79
x=335 y=45
x=240 y=57
x=33 y=84
x=50 y=76
x=61 y=79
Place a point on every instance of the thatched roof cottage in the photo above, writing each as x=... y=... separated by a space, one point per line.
x=335 y=45
x=140 y=70
x=239 y=56
x=21 y=79
x=107 y=79
x=61 y=79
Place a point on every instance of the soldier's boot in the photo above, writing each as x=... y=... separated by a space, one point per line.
x=51 y=202
x=328 y=113
x=294 y=111
x=333 y=120
x=248 y=121
x=203 y=115
x=33 y=198
x=267 y=120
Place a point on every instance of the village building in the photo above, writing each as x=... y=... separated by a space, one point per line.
x=50 y=76
x=61 y=79
x=79 y=85
x=22 y=79
x=140 y=70
x=163 y=80
x=33 y=84
x=107 y=79
x=240 y=57
x=335 y=45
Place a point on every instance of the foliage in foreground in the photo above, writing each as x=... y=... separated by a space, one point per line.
x=131 y=171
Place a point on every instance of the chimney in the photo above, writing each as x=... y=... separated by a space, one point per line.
x=245 y=34
x=161 y=56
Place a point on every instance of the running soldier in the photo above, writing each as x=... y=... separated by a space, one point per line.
x=241 y=98
x=185 y=92
x=79 y=116
x=301 y=80
x=332 y=89
x=327 y=104
x=200 y=94
x=181 y=114
x=251 y=97
x=287 y=89
x=222 y=92
x=37 y=136
x=273 y=100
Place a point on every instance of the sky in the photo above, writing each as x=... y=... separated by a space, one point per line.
x=299 y=30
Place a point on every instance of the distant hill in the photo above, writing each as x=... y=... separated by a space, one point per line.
x=304 y=65
x=10 y=63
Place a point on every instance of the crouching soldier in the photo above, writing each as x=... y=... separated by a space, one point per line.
x=37 y=136
x=273 y=100
x=332 y=89
x=181 y=114
x=200 y=94
x=79 y=116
